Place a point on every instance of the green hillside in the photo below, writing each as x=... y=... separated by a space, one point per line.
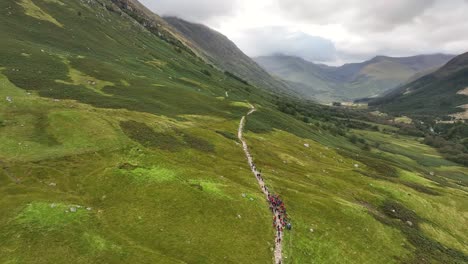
x=118 y=145
x=435 y=95
x=350 y=81
x=222 y=52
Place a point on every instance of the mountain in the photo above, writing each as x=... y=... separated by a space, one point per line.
x=119 y=144
x=223 y=53
x=437 y=94
x=350 y=81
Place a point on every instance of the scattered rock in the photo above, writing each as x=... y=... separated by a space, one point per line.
x=307 y=145
x=89 y=208
x=409 y=223
x=9 y=99
x=244 y=195
x=53 y=205
x=311 y=230
x=73 y=209
x=251 y=199
x=356 y=165
x=52 y=184
x=431 y=173
x=239 y=216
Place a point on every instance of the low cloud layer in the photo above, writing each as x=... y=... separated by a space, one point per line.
x=367 y=15
x=278 y=40
x=331 y=31
x=199 y=10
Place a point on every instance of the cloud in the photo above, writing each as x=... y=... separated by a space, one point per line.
x=278 y=40
x=367 y=15
x=197 y=11
x=333 y=31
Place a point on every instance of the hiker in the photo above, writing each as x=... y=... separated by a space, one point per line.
x=289 y=226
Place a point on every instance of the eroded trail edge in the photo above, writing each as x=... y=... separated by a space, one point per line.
x=278 y=217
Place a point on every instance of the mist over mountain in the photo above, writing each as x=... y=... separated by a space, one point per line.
x=350 y=81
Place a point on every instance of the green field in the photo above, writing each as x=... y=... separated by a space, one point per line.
x=116 y=147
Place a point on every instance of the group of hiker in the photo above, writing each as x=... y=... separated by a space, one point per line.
x=277 y=207
x=280 y=218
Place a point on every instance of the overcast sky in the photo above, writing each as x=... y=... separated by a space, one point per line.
x=331 y=31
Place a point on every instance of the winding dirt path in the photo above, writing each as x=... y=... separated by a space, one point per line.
x=279 y=234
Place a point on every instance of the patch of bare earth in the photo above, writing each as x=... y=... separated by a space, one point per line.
x=464 y=91
x=462 y=115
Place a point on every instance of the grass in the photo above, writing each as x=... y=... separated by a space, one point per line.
x=151 y=175
x=34 y=11
x=51 y=216
x=323 y=181
x=158 y=162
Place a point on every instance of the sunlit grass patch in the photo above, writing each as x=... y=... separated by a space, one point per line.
x=58 y=2
x=51 y=216
x=97 y=243
x=150 y=175
x=289 y=159
x=79 y=78
x=208 y=187
x=33 y=10
x=156 y=63
x=414 y=177
x=186 y=80
x=240 y=104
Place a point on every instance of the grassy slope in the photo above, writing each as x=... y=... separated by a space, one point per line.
x=172 y=197
x=434 y=95
x=347 y=207
x=150 y=149
x=222 y=52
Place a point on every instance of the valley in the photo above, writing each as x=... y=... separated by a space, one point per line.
x=123 y=140
x=352 y=81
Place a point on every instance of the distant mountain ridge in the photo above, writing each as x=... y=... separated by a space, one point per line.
x=223 y=53
x=438 y=94
x=350 y=81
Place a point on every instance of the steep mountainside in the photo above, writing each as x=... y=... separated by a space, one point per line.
x=438 y=94
x=222 y=52
x=119 y=145
x=350 y=81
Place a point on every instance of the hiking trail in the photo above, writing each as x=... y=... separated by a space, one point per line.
x=279 y=234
